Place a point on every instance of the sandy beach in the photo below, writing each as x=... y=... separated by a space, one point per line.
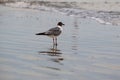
x=87 y=49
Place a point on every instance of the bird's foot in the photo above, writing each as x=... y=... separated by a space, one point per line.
x=56 y=44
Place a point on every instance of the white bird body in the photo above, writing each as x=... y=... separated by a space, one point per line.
x=53 y=32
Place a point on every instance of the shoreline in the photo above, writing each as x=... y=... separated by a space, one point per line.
x=104 y=12
x=99 y=6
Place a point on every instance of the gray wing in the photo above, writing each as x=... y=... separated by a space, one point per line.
x=53 y=31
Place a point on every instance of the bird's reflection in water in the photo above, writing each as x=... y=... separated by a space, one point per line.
x=53 y=52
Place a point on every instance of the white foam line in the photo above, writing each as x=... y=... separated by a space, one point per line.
x=100 y=20
x=18 y=4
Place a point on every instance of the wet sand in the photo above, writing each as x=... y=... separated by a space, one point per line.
x=87 y=50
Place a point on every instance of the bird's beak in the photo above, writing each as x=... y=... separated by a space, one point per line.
x=63 y=24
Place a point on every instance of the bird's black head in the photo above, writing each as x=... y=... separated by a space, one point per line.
x=60 y=24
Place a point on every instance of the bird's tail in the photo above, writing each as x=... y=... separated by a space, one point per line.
x=40 y=33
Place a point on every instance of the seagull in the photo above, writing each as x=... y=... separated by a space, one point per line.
x=53 y=32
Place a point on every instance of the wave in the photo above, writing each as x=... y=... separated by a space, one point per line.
x=68 y=8
x=100 y=20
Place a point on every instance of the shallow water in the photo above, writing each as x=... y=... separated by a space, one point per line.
x=86 y=50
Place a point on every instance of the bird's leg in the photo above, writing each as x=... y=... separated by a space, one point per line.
x=56 y=41
x=53 y=41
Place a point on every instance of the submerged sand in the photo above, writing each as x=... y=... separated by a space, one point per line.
x=86 y=50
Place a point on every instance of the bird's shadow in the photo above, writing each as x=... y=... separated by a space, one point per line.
x=54 y=51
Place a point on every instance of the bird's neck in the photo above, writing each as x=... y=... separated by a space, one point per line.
x=60 y=27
